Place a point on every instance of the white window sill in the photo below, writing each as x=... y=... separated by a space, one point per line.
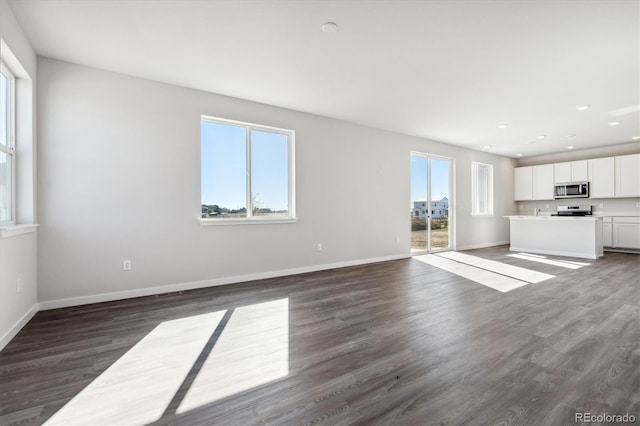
x=252 y=221
x=15 y=230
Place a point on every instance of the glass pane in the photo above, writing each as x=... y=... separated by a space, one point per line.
x=4 y=110
x=483 y=178
x=269 y=174
x=223 y=170
x=419 y=206
x=6 y=196
x=440 y=203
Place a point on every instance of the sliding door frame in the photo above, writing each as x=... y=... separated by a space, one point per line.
x=452 y=201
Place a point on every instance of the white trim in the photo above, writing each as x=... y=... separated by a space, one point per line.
x=482 y=245
x=249 y=127
x=555 y=252
x=106 y=297
x=15 y=230
x=10 y=149
x=252 y=221
x=220 y=120
x=15 y=328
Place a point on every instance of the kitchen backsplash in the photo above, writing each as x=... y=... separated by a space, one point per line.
x=614 y=205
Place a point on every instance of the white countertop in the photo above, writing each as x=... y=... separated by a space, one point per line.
x=617 y=214
x=547 y=217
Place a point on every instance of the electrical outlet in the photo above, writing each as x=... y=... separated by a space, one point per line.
x=126 y=265
x=521 y=207
x=19 y=285
x=601 y=205
x=637 y=204
x=547 y=206
x=397 y=239
x=319 y=247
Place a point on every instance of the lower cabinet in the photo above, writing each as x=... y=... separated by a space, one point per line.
x=607 y=232
x=621 y=232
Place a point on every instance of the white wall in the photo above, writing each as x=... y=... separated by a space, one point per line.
x=17 y=265
x=18 y=250
x=119 y=179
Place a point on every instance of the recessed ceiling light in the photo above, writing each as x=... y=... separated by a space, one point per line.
x=635 y=138
x=570 y=147
x=329 y=27
x=541 y=136
x=614 y=123
x=487 y=147
x=519 y=155
x=503 y=126
x=573 y=135
x=583 y=107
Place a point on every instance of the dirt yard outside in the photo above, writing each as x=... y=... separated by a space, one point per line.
x=439 y=239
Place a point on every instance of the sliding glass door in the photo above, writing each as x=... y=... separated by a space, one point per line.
x=431 y=202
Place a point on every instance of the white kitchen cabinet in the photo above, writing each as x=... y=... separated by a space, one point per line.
x=579 y=171
x=627 y=178
x=626 y=232
x=543 y=182
x=571 y=171
x=523 y=183
x=607 y=231
x=602 y=178
x=562 y=172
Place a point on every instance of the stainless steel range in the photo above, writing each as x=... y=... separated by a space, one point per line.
x=574 y=211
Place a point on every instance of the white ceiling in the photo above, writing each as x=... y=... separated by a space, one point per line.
x=444 y=70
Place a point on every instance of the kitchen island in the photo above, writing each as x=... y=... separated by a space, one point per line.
x=557 y=235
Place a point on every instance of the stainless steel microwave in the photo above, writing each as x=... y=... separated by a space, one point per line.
x=571 y=190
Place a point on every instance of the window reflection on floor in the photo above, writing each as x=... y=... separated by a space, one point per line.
x=241 y=348
x=569 y=264
x=252 y=350
x=496 y=275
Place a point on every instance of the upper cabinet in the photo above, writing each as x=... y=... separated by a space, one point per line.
x=602 y=178
x=543 y=182
x=523 y=183
x=627 y=175
x=610 y=177
x=572 y=171
x=533 y=183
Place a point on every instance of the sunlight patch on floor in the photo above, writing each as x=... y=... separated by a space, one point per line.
x=570 y=264
x=512 y=271
x=252 y=350
x=136 y=389
x=497 y=281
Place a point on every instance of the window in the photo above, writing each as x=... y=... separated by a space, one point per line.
x=481 y=189
x=7 y=145
x=247 y=172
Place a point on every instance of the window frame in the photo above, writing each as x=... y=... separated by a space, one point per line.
x=475 y=167
x=10 y=150
x=250 y=218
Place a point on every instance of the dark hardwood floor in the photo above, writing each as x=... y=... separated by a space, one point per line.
x=398 y=342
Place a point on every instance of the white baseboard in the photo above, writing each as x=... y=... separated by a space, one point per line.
x=482 y=245
x=149 y=291
x=15 y=328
